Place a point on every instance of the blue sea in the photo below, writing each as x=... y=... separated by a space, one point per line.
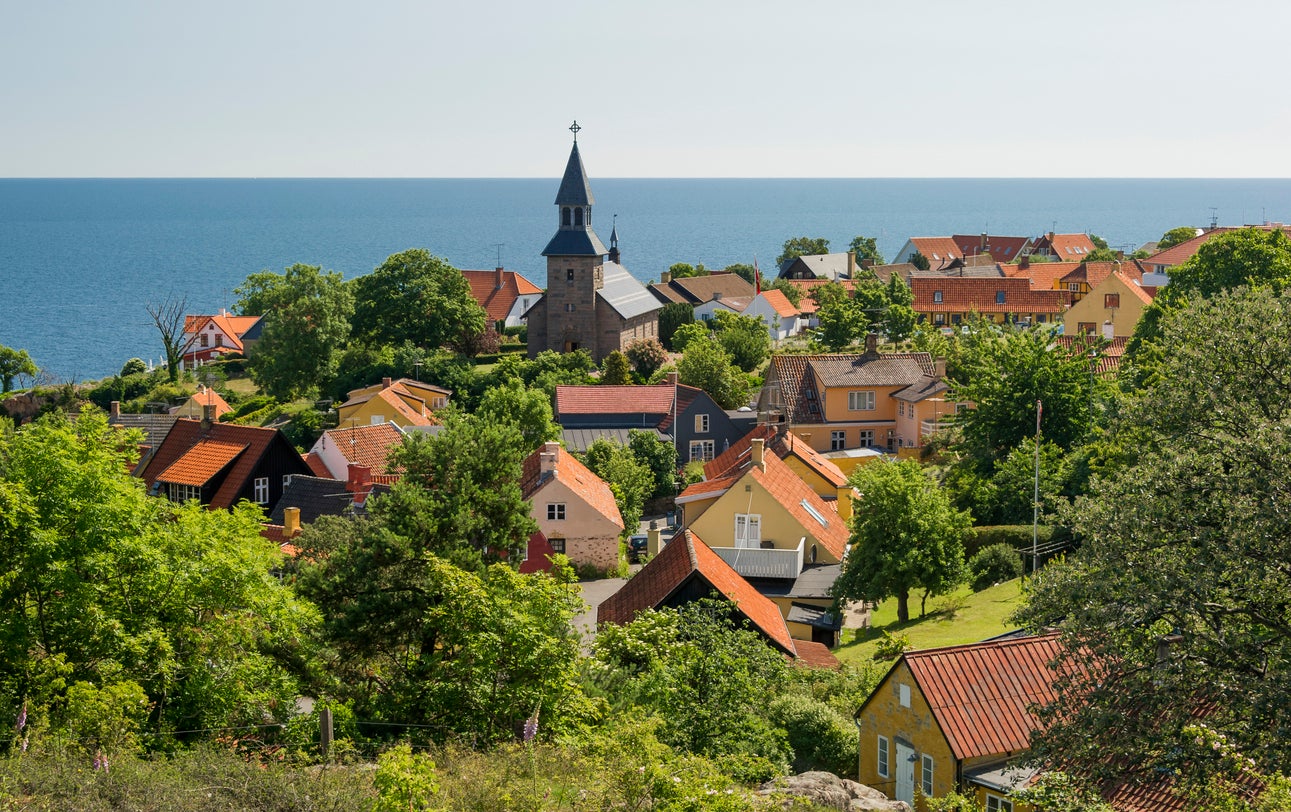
x=79 y=259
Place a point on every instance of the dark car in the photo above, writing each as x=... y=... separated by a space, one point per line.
x=637 y=547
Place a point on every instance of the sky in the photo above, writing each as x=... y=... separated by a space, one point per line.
x=664 y=88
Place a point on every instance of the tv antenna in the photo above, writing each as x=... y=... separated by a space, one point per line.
x=1214 y=217
x=499 y=246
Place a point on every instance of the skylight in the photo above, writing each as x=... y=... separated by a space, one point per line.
x=815 y=514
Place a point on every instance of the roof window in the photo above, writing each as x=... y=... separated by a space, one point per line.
x=815 y=514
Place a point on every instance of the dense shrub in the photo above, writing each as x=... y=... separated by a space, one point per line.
x=252 y=404
x=133 y=367
x=821 y=737
x=993 y=565
x=1017 y=536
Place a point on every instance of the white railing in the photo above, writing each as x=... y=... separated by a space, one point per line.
x=758 y=562
x=929 y=427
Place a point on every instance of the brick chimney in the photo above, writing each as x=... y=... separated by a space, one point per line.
x=872 y=343
x=547 y=459
x=844 y=503
x=386 y=382
x=671 y=378
x=114 y=411
x=359 y=482
x=939 y=367
x=497 y=277
x=1025 y=262
x=291 y=521
x=757 y=452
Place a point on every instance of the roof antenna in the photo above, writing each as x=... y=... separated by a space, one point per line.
x=1214 y=218
x=499 y=246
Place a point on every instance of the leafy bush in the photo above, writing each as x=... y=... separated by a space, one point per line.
x=252 y=404
x=821 y=737
x=133 y=367
x=993 y=565
x=1017 y=536
x=891 y=646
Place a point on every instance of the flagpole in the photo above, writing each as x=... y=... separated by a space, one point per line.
x=1035 y=503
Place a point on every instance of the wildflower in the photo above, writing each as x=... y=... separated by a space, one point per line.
x=100 y=762
x=531 y=724
x=22 y=717
x=24 y=744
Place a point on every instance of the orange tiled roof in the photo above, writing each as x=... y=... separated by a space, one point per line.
x=316 y=465
x=711 y=487
x=577 y=477
x=366 y=445
x=807 y=305
x=938 y=250
x=1066 y=246
x=794 y=495
x=981 y=694
x=780 y=303
x=401 y=407
x=209 y=397
x=815 y=655
x=965 y=294
x=1001 y=249
x=782 y=445
x=684 y=557
x=185 y=434
x=498 y=301
x=1181 y=253
x=200 y=462
x=1043 y=275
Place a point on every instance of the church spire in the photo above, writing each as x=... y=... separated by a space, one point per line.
x=614 y=241
x=574 y=200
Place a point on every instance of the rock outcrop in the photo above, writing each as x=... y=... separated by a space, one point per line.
x=827 y=789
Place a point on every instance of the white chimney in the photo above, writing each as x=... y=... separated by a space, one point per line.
x=1109 y=330
x=547 y=459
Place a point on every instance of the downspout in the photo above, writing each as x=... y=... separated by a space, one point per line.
x=856 y=720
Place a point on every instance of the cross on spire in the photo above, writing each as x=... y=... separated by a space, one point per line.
x=574 y=128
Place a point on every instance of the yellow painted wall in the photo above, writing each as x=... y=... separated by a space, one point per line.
x=1091 y=310
x=885 y=716
x=836 y=404
x=362 y=414
x=690 y=511
x=980 y=793
x=823 y=487
x=716 y=525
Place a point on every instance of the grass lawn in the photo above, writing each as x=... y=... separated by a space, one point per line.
x=243 y=386
x=961 y=617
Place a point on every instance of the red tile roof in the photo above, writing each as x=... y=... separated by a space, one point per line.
x=185 y=434
x=938 y=250
x=1043 y=275
x=815 y=655
x=1181 y=253
x=710 y=488
x=981 y=694
x=780 y=303
x=366 y=445
x=577 y=477
x=965 y=294
x=496 y=300
x=316 y=465
x=202 y=461
x=1001 y=249
x=794 y=495
x=783 y=445
x=1066 y=246
x=686 y=556
x=655 y=399
x=807 y=304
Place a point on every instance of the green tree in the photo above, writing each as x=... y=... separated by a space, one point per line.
x=417 y=297
x=14 y=363
x=681 y=270
x=460 y=496
x=744 y=271
x=1004 y=374
x=647 y=355
x=840 y=317
x=1102 y=255
x=528 y=410
x=745 y=337
x=1100 y=244
x=690 y=332
x=905 y=536
x=306 y=314
x=107 y=587
x=705 y=365
x=1175 y=236
x=615 y=369
x=786 y=286
x=671 y=317
x=657 y=455
x=631 y=480
x=1175 y=602
x=919 y=261
x=795 y=247
x=867 y=248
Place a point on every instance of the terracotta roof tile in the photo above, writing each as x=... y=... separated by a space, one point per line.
x=498 y=301
x=982 y=694
x=815 y=655
x=200 y=462
x=1043 y=275
x=1066 y=246
x=185 y=434
x=686 y=556
x=965 y=294
x=796 y=496
x=655 y=399
x=937 y=250
x=780 y=303
x=1001 y=249
x=783 y=445
x=708 y=488
x=807 y=287
x=366 y=445
x=575 y=475
x=316 y=465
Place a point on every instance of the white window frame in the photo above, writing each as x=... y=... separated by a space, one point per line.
x=903 y=694
x=261 y=485
x=867 y=438
x=557 y=544
x=884 y=755
x=701 y=450
x=926 y=765
x=183 y=493
x=555 y=511
x=837 y=440
x=936 y=297
x=860 y=400
x=748 y=530
x=701 y=423
x=994 y=803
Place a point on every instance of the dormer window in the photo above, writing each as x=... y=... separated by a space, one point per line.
x=999 y=297
x=936 y=296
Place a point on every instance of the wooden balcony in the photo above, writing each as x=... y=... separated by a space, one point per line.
x=764 y=562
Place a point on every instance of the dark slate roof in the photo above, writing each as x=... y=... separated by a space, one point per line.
x=580 y=439
x=575 y=242
x=814 y=616
x=315 y=496
x=625 y=294
x=154 y=426
x=921 y=390
x=815 y=581
x=574 y=190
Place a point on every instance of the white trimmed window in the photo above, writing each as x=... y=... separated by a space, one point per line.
x=748 y=530
x=903 y=693
x=182 y=493
x=883 y=757
x=900 y=408
x=867 y=438
x=837 y=440
x=927 y=775
x=555 y=511
x=262 y=490
x=557 y=544
x=995 y=803
x=701 y=450
x=861 y=400
x=701 y=424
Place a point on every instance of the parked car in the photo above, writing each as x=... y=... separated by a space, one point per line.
x=637 y=548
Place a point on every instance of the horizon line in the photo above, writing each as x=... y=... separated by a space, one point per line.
x=649 y=177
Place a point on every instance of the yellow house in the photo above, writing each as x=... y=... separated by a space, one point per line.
x=1112 y=309
x=404 y=402
x=767 y=524
x=954 y=718
x=194 y=407
x=840 y=402
x=821 y=474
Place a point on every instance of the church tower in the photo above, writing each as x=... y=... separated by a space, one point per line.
x=575 y=263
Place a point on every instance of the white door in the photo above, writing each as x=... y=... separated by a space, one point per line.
x=905 y=774
x=748 y=530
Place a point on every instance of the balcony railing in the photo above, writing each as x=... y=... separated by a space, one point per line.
x=764 y=562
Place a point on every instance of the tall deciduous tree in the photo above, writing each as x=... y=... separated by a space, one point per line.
x=705 y=365
x=415 y=296
x=1175 y=236
x=866 y=248
x=1175 y=608
x=905 y=536
x=615 y=369
x=529 y=410
x=795 y=247
x=672 y=316
x=745 y=337
x=631 y=480
x=168 y=316
x=306 y=314
x=13 y=363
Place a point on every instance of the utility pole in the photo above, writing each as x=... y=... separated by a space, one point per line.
x=1035 y=504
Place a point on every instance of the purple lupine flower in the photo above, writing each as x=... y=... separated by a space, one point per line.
x=531 y=725
x=100 y=762
x=24 y=744
x=22 y=717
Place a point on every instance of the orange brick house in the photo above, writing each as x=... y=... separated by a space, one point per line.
x=950 y=300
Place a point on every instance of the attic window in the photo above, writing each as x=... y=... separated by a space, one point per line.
x=815 y=514
x=903 y=693
x=936 y=296
x=999 y=297
x=934 y=255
